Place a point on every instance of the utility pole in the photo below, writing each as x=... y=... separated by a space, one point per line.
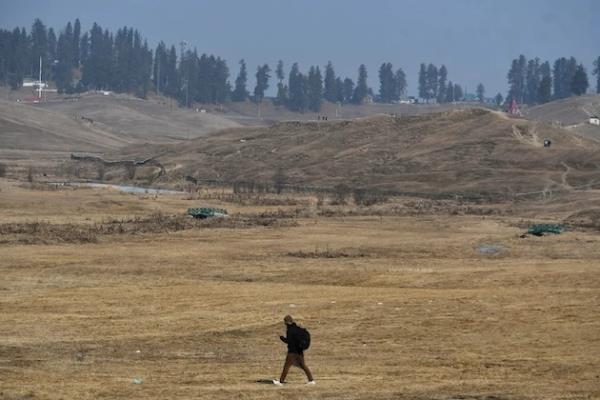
x=40 y=81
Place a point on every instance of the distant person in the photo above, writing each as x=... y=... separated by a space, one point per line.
x=298 y=340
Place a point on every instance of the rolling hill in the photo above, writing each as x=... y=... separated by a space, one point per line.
x=466 y=151
x=571 y=113
x=140 y=120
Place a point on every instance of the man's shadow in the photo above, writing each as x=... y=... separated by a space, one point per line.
x=265 y=381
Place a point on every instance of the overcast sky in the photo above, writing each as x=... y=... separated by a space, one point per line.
x=475 y=39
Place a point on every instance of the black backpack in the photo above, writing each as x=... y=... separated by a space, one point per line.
x=303 y=338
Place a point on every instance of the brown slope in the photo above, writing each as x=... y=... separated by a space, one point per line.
x=569 y=111
x=470 y=151
x=141 y=120
x=24 y=127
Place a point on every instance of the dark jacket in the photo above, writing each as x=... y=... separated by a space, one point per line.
x=292 y=339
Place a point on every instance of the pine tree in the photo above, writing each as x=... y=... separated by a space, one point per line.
x=481 y=93
x=498 y=99
x=240 y=93
x=221 y=86
x=442 y=77
x=65 y=59
x=262 y=82
x=564 y=71
x=330 y=90
x=432 y=82
x=84 y=46
x=297 y=83
x=517 y=79
x=315 y=89
x=39 y=47
x=579 y=83
x=339 y=90
x=423 y=81
x=361 y=91
x=171 y=75
x=544 y=94
x=348 y=90
x=282 y=89
x=52 y=42
x=76 y=43
x=458 y=92
x=450 y=92
x=533 y=79
x=399 y=84
x=545 y=90
x=159 y=68
x=387 y=82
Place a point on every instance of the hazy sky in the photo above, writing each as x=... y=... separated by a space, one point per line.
x=475 y=39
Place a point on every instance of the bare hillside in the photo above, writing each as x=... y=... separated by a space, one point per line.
x=469 y=151
x=249 y=112
x=140 y=120
x=572 y=113
x=23 y=127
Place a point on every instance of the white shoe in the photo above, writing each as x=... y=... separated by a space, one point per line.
x=277 y=383
x=311 y=383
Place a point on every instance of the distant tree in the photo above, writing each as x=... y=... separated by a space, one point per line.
x=2 y=170
x=458 y=92
x=442 y=77
x=480 y=92
x=39 y=47
x=450 y=92
x=240 y=93
x=348 y=90
x=545 y=90
x=282 y=89
x=596 y=72
x=330 y=89
x=361 y=90
x=262 y=82
x=544 y=94
x=279 y=72
x=532 y=81
x=563 y=73
x=432 y=82
x=64 y=57
x=399 y=84
x=517 y=79
x=84 y=46
x=298 y=91
x=339 y=90
x=52 y=42
x=498 y=100
x=579 y=84
x=76 y=43
x=387 y=83
x=423 y=81
x=159 y=72
x=315 y=89
x=171 y=73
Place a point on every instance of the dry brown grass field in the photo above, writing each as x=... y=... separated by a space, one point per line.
x=399 y=307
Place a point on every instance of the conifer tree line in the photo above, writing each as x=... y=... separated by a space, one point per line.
x=434 y=86
x=123 y=62
x=536 y=82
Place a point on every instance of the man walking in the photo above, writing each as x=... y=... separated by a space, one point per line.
x=297 y=340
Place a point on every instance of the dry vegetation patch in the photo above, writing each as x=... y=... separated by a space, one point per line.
x=46 y=233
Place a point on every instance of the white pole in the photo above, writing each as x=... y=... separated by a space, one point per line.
x=40 y=81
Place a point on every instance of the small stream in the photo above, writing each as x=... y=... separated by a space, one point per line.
x=122 y=188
